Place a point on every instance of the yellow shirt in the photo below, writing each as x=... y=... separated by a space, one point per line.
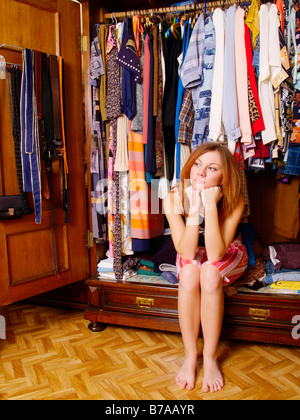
x=252 y=20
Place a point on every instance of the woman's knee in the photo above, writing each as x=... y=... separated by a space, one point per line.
x=210 y=279
x=189 y=278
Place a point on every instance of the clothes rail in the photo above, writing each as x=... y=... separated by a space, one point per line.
x=13 y=64
x=11 y=47
x=162 y=10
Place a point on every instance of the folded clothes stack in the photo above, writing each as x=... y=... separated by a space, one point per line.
x=159 y=263
x=106 y=268
x=283 y=267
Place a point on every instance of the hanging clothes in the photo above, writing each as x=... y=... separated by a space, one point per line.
x=256 y=118
x=227 y=79
x=127 y=59
x=252 y=20
x=159 y=143
x=144 y=223
x=149 y=128
x=113 y=111
x=230 y=111
x=98 y=146
x=180 y=95
x=242 y=77
x=203 y=104
x=269 y=67
x=173 y=50
x=102 y=37
x=216 y=131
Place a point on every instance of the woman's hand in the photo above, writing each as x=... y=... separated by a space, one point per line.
x=211 y=196
x=194 y=199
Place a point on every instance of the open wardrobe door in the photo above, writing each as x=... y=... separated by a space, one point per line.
x=45 y=249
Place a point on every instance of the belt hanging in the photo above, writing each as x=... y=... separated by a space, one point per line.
x=66 y=194
x=52 y=212
x=49 y=150
x=43 y=95
x=38 y=94
x=55 y=91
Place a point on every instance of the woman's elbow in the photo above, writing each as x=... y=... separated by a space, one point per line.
x=186 y=254
x=215 y=256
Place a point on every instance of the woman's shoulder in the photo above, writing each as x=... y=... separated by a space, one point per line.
x=239 y=208
x=241 y=201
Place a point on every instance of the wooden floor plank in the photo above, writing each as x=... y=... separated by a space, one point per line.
x=49 y=353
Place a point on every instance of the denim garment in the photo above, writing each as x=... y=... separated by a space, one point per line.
x=192 y=67
x=274 y=274
x=202 y=111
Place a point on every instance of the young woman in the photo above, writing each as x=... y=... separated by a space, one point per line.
x=207 y=257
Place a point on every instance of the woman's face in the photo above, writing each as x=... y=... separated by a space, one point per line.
x=207 y=171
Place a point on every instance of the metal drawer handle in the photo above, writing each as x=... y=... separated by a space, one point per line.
x=144 y=302
x=259 y=314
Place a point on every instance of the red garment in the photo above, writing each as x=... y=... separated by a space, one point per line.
x=262 y=151
x=259 y=124
x=279 y=5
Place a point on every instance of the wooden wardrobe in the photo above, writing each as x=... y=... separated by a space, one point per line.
x=63 y=27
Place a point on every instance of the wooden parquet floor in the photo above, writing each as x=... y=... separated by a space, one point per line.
x=50 y=354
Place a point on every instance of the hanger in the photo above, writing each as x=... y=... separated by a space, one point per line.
x=175 y=30
x=184 y=18
x=13 y=64
x=148 y=22
x=195 y=19
x=113 y=18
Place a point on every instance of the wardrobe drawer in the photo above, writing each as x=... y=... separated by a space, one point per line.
x=139 y=301
x=260 y=310
x=247 y=316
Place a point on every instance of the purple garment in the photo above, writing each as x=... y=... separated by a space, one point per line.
x=287 y=253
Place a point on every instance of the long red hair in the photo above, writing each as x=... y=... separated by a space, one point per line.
x=231 y=181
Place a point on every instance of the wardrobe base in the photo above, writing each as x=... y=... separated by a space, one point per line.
x=247 y=316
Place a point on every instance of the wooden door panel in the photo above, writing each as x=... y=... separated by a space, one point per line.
x=26 y=251
x=31 y=26
x=25 y=247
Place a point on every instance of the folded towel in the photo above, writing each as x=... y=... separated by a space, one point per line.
x=111 y=275
x=168 y=267
x=106 y=263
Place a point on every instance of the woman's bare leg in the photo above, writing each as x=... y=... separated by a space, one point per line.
x=212 y=309
x=189 y=320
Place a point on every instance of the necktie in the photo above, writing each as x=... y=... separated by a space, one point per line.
x=30 y=153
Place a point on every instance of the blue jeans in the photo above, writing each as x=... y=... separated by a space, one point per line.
x=202 y=111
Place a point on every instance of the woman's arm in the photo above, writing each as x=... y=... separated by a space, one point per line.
x=219 y=237
x=185 y=236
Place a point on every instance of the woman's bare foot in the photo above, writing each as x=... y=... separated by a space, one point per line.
x=187 y=373
x=212 y=377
